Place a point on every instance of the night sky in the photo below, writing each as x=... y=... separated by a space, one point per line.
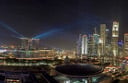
x=58 y=22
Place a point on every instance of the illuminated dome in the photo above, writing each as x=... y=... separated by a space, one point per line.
x=79 y=70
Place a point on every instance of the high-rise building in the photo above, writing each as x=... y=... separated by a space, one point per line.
x=35 y=44
x=126 y=44
x=108 y=36
x=95 y=42
x=79 y=45
x=30 y=46
x=115 y=35
x=108 y=43
x=102 y=41
x=24 y=43
x=99 y=50
x=84 y=45
x=29 y=43
x=90 y=44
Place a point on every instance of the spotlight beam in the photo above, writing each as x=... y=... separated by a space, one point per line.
x=51 y=32
x=10 y=29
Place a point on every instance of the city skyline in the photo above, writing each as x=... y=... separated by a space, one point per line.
x=58 y=21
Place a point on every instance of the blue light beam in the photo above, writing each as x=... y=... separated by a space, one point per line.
x=51 y=32
x=10 y=29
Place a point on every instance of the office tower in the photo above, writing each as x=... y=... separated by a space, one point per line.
x=99 y=50
x=90 y=44
x=29 y=43
x=84 y=45
x=24 y=43
x=108 y=37
x=108 y=43
x=102 y=39
x=95 y=43
x=96 y=38
x=115 y=35
x=35 y=44
x=79 y=45
x=126 y=44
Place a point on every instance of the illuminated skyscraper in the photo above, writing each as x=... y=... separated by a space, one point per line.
x=35 y=44
x=29 y=43
x=84 y=46
x=108 y=36
x=115 y=35
x=93 y=42
x=108 y=43
x=79 y=45
x=24 y=43
x=30 y=46
x=102 y=40
x=90 y=44
x=126 y=44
